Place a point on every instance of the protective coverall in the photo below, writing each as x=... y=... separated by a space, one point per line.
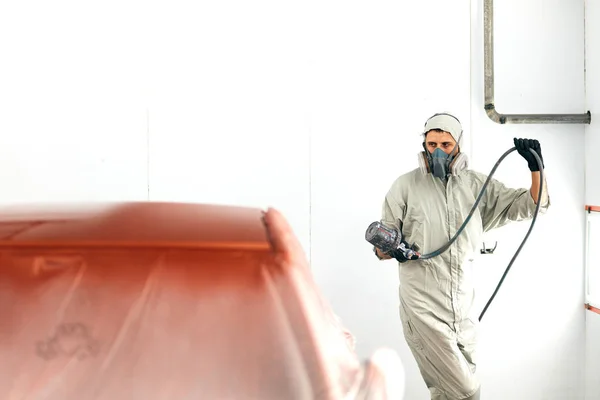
x=436 y=295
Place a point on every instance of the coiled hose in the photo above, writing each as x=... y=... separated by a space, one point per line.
x=462 y=227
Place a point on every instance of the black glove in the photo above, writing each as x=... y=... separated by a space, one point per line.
x=523 y=146
x=399 y=255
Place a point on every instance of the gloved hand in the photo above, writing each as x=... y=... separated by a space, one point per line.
x=399 y=255
x=523 y=146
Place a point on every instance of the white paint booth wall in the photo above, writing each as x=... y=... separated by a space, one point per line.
x=532 y=336
x=592 y=132
x=72 y=112
x=166 y=101
x=592 y=142
x=228 y=106
x=219 y=101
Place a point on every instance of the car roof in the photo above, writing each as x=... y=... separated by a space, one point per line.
x=133 y=224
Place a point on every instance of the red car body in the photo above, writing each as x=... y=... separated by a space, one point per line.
x=170 y=301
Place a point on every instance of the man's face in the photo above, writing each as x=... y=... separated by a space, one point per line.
x=441 y=139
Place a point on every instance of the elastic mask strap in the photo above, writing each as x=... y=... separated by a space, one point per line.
x=428 y=158
x=427 y=154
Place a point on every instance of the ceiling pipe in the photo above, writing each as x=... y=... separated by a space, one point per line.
x=490 y=108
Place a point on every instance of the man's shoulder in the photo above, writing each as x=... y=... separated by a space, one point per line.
x=408 y=178
x=470 y=175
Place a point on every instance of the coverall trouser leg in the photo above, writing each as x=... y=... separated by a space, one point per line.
x=445 y=356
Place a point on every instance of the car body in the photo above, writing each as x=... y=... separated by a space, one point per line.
x=151 y=301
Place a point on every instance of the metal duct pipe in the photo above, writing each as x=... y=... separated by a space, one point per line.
x=490 y=108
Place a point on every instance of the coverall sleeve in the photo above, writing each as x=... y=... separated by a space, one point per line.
x=393 y=208
x=501 y=205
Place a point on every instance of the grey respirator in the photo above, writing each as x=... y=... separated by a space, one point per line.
x=439 y=163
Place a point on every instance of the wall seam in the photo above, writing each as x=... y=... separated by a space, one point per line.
x=148 y=154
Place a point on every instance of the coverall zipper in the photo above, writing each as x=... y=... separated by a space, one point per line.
x=450 y=222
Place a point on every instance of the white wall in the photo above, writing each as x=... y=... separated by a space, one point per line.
x=592 y=141
x=72 y=122
x=592 y=357
x=173 y=101
x=533 y=333
x=72 y=113
x=592 y=131
x=228 y=120
x=314 y=107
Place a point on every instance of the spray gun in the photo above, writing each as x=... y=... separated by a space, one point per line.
x=389 y=240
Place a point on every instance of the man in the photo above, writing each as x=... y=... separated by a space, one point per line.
x=428 y=205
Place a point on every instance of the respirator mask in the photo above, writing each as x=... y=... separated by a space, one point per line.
x=439 y=163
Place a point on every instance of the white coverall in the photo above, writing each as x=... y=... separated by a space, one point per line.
x=436 y=295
